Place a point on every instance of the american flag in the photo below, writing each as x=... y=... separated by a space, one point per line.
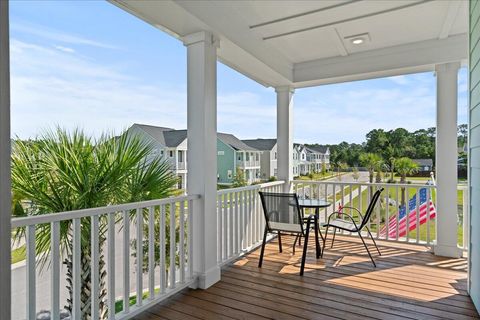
x=423 y=208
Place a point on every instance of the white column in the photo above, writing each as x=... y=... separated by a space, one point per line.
x=202 y=152
x=446 y=160
x=5 y=191
x=285 y=135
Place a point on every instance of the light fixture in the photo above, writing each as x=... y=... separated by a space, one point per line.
x=357 y=40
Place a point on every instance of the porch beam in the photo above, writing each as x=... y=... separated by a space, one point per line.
x=446 y=160
x=5 y=185
x=202 y=152
x=409 y=58
x=285 y=135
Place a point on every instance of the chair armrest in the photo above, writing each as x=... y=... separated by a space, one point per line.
x=358 y=211
x=343 y=214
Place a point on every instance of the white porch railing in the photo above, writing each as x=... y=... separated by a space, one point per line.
x=248 y=163
x=111 y=231
x=240 y=221
x=421 y=225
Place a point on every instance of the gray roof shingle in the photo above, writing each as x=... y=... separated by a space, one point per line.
x=234 y=142
x=173 y=138
x=261 y=144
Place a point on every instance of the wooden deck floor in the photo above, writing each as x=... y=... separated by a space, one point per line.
x=408 y=283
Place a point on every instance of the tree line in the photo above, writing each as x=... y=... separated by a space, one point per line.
x=389 y=145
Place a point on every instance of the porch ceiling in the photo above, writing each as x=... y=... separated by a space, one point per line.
x=304 y=43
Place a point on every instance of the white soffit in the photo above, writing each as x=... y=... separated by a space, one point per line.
x=303 y=43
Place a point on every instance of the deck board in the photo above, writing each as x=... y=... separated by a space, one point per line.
x=408 y=283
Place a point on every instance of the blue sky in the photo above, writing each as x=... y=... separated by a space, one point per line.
x=91 y=65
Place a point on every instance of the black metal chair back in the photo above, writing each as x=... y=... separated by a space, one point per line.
x=282 y=212
x=370 y=208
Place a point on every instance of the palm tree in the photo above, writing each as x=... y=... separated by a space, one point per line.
x=404 y=167
x=373 y=162
x=64 y=171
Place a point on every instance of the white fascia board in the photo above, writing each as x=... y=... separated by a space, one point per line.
x=410 y=58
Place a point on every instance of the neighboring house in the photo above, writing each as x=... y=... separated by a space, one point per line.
x=304 y=167
x=296 y=159
x=268 y=156
x=232 y=153
x=317 y=156
x=170 y=144
x=424 y=165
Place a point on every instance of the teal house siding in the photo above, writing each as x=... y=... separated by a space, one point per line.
x=225 y=162
x=474 y=152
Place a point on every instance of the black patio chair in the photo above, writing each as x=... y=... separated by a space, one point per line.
x=283 y=215
x=346 y=222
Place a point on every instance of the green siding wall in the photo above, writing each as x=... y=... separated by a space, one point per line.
x=475 y=152
x=225 y=162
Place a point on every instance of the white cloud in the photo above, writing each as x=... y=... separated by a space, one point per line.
x=65 y=49
x=344 y=113
x=56 y=35
x=52 y=87
x=55 y=87
x=400 y=80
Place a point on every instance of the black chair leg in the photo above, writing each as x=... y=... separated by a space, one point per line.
x=317 y=242
x=324 y=241
x=279 y=242
x=295 y=243
x=373 y=241
x=334 y=233
x=263 y=248
x=305 y=245
x=300 y=240
x=368 y=251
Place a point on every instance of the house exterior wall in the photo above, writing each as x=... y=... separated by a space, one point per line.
x=225 y=163
x=265 y=165
x=474 y=154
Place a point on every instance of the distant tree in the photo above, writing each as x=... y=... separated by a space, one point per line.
x=462 y=132
x=324 y=168
x=239 y=179
x=405 y=167
x=371 y=162
x=355 y=174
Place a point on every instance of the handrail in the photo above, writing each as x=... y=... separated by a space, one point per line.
x=82 y=213
x=373 y=184
x=251 y=187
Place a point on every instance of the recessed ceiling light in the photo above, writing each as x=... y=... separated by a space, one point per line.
x=357 y=41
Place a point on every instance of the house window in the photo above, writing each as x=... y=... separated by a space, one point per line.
x=161 y=152
x=256 y=156
x=221 y=153
x=229 y=174
x=171 y=154
x=180 y=156
x=276 y=156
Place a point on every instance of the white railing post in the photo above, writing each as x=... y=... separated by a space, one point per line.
x=5 y=187
x=202 y=143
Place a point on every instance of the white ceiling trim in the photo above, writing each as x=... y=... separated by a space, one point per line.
x=339 y=42
x=303 y=14
x=364 y=16
x=452 y=12
x=414 y=57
